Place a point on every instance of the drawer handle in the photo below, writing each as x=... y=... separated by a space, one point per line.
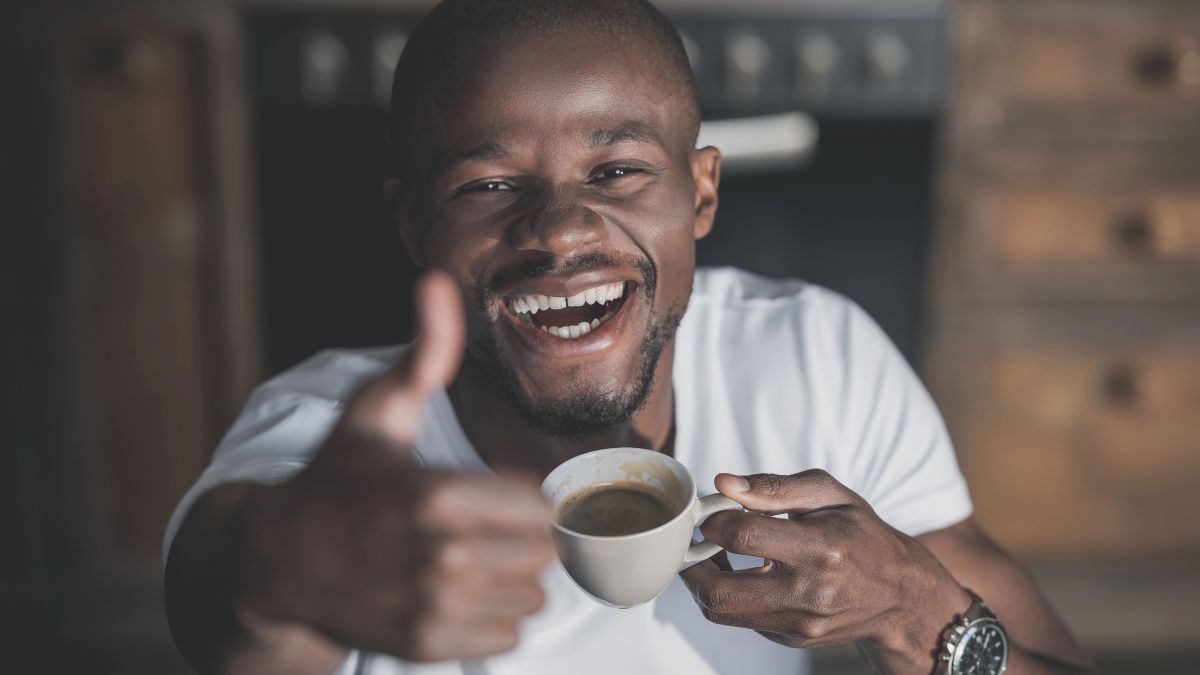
x=1119 y=385
x=1155 y=66
x=1134 y=232
x=1168 y=64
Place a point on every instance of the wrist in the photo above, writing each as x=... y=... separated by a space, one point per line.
x=910 y=641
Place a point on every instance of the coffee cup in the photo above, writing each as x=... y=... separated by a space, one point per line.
x=623 y=570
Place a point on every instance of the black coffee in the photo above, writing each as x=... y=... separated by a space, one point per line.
x=614 y=509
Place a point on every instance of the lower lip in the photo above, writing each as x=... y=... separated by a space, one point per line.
x=598 y=339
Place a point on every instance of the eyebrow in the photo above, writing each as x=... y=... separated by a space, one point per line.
x=479 y=153
x=597 y=139
x=606 y=137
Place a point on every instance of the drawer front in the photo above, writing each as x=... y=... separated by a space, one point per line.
x=1058 y=71
x=1085 y=450
x=1062 y=241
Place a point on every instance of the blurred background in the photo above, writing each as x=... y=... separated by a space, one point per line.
x=1011 y=187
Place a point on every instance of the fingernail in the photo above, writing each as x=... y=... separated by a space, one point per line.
x=739 y=484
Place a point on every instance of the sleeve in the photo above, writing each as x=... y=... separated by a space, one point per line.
x=274 y=438
x=898 y=454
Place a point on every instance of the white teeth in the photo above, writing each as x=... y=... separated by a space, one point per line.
x=564 y=332
x=573 y=331
x=589 y=296
x=576 y=300
x=584 y=328
x=543 y=302
x=557 y=302
x=595 y=322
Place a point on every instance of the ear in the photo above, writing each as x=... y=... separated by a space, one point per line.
x=706 y=174
x=397 y=195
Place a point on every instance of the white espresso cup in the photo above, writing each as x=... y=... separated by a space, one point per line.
x=627 y=570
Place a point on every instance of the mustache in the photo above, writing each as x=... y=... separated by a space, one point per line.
x=550 y=265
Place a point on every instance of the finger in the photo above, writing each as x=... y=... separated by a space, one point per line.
x=444 y=641
x=438 y=348
x=494 y=559
x=773 y=494
x=754 y=534
x=734 y=593
x=486 y=600
x=485 y=504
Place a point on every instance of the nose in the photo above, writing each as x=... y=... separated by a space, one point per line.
x=559 y=225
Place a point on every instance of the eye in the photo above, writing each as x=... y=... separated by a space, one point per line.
x=617 y=172
x=488 y=186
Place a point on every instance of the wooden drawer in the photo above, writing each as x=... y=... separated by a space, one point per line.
x=1058 y=71
x=1067 y=241
x=1082 y=449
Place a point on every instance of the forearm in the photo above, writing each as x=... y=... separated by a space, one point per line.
x=1025 y=662
x=205 y=590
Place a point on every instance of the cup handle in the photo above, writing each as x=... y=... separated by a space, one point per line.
x=705 y=507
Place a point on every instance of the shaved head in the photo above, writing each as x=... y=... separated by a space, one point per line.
x=453 y=38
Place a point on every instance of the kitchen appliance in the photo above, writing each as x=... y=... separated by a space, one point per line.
x=847 y=95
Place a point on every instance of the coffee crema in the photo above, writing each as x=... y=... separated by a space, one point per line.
x=614 y=509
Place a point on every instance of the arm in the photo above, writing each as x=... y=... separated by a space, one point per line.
x=1039 y=642
x=836 y=574
x=205 y=586
x=362 y=549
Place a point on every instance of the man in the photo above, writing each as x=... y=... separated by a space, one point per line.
x=377 y=511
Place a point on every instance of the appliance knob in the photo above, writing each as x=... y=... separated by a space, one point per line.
x=747 y=57
x=323 y=61
x=888 y=57
x=388 y=47
x=817 y=57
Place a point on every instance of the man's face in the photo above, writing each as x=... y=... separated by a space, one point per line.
x=566 y=203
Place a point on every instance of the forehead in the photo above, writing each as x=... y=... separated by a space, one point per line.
x=562 y=85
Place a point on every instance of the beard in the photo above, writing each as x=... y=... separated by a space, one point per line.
x=584 y=412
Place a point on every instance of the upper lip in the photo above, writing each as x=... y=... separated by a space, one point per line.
x=564 y=286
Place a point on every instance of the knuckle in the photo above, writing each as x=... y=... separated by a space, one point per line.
x=713 y=598
x=454 y=555
x=744 y=538
x=716 y=617
x=833 y=558
x=771 y=483
x=822 y=599
x=814 y=628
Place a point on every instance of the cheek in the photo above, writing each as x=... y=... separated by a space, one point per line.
x=462 y=252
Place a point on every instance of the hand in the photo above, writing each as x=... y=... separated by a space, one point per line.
x=834 y=573
x=376 y=554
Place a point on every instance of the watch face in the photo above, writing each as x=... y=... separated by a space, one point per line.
x=983 y=650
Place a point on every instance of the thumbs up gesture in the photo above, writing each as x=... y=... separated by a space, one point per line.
x=376 y=554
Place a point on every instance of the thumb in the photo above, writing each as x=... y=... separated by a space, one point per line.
x=438 y=349
x=773 y=494
x=390 y=406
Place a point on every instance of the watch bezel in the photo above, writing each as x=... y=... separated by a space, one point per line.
x=961 y=643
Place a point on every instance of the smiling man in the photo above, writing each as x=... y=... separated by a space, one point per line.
x=377 y=511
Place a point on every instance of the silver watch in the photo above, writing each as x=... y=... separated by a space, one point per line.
x=975 y=644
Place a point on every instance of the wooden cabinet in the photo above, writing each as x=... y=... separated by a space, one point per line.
x=143 y=266
x=1065 y=326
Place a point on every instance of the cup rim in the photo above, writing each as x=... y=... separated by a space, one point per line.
x=691 y=503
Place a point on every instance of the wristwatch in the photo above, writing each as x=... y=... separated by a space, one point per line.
x=974 y=644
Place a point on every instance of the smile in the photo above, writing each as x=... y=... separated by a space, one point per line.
x=570 y=317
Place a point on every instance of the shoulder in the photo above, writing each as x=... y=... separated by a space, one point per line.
x=766 y=310
x=331 y=375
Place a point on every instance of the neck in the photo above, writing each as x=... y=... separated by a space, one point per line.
x=506 y=444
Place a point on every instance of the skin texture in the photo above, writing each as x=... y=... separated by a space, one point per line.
x=364 y=550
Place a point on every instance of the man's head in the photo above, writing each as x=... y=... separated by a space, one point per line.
x=545 y=152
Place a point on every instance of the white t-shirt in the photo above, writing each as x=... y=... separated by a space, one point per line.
x=770 y=376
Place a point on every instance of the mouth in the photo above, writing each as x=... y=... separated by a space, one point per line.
x=583 y=322
x=573 y=317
